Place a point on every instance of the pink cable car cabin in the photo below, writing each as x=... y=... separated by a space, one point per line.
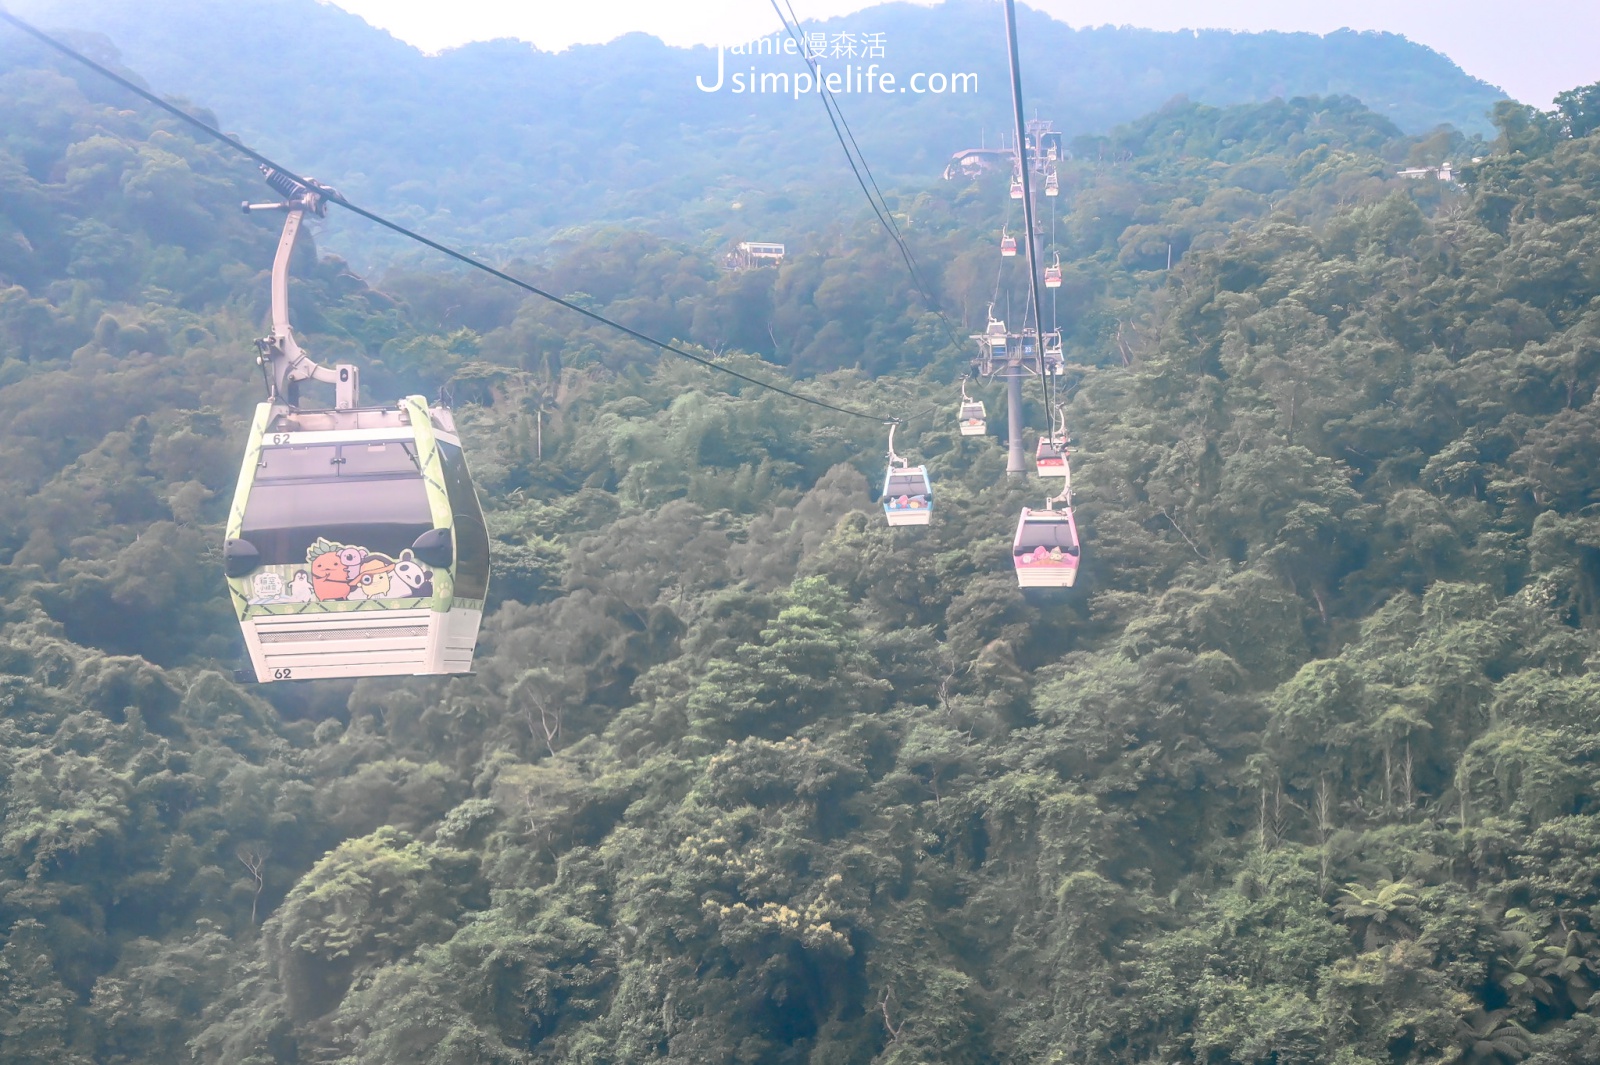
x=1045 y=552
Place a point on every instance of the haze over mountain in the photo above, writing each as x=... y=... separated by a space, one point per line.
x=504 y=144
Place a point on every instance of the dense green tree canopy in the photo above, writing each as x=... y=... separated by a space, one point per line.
x=1304 y=771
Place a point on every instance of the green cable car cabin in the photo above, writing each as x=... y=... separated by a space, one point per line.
x=356 y=546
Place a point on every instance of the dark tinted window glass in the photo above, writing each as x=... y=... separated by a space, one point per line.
x=302 y=494
x=472 y=536
x=906 y=484
x=1046 y=534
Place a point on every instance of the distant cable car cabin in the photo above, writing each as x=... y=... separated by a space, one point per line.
x=994 y=336
x=974 y=418
x=1052 y=184
x=1053 y=362
x=995 y=333
x=1045 y=551
x=1052 y=274
x=1050 y=457
x=1016 y=185
x=907 y=495
x=355 y=546
x=991 y=344
x=752 y=253
x=1008 y=243
x=971 y=416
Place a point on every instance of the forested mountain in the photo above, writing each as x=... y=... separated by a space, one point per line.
x=504 y=145
x=1304 y=771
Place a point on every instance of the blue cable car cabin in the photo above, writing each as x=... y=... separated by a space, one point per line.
x=907 y=495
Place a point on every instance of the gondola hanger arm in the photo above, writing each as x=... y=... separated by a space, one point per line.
x=1065 y=495
x=894 y=458
x=282 y=358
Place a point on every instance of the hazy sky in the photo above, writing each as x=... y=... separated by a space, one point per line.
x=1533 y=49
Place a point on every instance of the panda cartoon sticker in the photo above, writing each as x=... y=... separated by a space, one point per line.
x=410 y=579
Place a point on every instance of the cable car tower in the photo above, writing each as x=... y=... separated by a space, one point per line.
x=355 y=546
x=1014 y=356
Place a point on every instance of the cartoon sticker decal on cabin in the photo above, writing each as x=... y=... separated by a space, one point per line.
x=336 y=572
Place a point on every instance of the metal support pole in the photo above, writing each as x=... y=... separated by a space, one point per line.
x=1016 y=459
x=1025 y=172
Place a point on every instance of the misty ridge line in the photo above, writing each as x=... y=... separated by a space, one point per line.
x=402 y=131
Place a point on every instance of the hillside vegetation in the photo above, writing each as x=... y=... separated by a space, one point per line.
x=1304 y=771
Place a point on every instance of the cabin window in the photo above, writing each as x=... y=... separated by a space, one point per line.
x=1047 y=534
x=906 y=484
x=360 y=494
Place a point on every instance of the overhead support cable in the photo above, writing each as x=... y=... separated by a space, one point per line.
x=852 y=154
x=1027 y=199
x=334 y=196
